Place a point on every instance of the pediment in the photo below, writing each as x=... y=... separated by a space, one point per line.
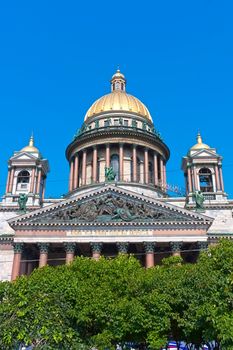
x=110 y=205
x=24 y=156
x=205 y=154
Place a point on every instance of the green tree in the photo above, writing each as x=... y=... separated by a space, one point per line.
x=88 y=303
x=113 y=301
x=208 y=313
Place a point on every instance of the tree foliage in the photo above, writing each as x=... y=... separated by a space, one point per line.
x=99 y=304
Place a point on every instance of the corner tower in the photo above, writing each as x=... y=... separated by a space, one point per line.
x=118 y=133
x=27 y=172
x=203 y=172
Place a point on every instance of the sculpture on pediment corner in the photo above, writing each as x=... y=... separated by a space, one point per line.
x=199 y=199
x=109 y=174
x=22 y=201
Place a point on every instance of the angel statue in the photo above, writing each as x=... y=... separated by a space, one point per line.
x=199 y=200
x=22 y=201
x=109 y=174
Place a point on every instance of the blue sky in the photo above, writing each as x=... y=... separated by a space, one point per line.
x=57 y=57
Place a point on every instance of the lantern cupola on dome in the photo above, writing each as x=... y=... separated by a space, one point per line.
x=118 y=101
x=118 y=81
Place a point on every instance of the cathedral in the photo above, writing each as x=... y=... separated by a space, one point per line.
x=117 y=200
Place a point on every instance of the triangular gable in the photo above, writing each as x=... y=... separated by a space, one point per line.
x=110 y=205
x=24 y=156
x=205 y=154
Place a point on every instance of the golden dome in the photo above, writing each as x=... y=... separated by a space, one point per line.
x=30 y=148
x=199 y=144
x=118 y=101
x=118 y=74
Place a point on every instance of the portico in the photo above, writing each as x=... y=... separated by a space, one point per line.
x=107 y=221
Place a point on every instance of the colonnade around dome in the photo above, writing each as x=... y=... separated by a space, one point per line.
x=131 y=163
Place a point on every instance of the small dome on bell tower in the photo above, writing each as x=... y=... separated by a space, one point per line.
x=27 y=173
x=203 y=172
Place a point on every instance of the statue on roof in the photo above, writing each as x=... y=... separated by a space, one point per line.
x=109 y=174
x=199 y=200
x=23 y=198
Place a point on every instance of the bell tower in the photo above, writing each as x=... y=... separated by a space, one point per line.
x=203 y=172
x=27 y=172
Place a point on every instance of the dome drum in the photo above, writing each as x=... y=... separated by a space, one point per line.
x=132 y=164
x=123 y=134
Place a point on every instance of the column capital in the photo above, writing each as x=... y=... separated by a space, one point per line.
x=202 y=245
x=122 y=247
x=176 y=246
x=70 y=247
x=18 y=247
x=96 y=247
x=149 y=247
x=44 y=247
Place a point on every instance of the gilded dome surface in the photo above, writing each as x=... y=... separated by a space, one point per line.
x=30 y=147
x=118 y=101
x=199 y=144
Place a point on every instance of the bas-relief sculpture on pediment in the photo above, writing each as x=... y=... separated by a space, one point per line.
x=112 y=207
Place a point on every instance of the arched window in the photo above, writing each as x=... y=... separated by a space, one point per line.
x=23 y=179
x=205 y=178
x=115 y=165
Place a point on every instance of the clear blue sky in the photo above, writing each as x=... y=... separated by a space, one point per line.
x=57 y=57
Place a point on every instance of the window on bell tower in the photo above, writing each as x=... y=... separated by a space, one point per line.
x=205 y=178
x=23 y=179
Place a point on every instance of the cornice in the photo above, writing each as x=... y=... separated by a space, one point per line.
x=219 y=235
x=6 y=238
x=217 y=206
x=120 y=132
x=173 y=225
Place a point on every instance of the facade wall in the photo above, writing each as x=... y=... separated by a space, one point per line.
x=6 y=261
